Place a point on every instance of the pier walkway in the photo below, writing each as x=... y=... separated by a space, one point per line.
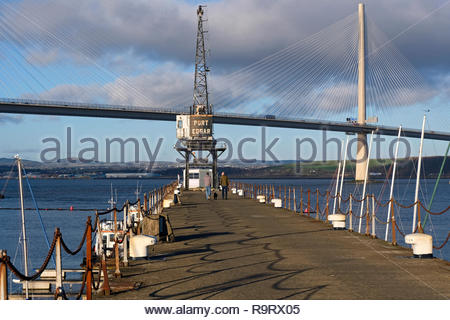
x=241 y=249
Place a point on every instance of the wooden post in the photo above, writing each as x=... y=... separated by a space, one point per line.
x=89 y=260
x=138 y=231
x=419 y=223
x=309 y=203
x=301 y=200
x=350 y=214
x=125 y=233
x=373 y=217
x=58 y=267
x=394 y=241
x=3 y=277
x=317 y=204
x=295 y=203
x=106 y=288
x=367 y=217
x=289 y=198
x=327 y=208
x=145 y=203
x=117 y=273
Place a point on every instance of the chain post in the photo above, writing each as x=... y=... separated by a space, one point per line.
x=301 y=200
x=373 y=217
x=3 y=277
x=138 y=231
x=419 y=223
x=367 y=216
x=295 y=203
x=106 y=288
x=58 y=267
x=350 y=213
x=394 y=241
x=125 y=235
x=89 y=260
x=309 y=203
x=317 y=204
x=117 y=273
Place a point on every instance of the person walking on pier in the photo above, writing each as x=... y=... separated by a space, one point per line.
x=224 y=182
x=207 y=182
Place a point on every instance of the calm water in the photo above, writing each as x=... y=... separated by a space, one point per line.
x=52 y=193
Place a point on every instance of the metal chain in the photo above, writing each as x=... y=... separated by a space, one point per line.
x=21 y=276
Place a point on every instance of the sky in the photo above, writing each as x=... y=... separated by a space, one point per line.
x=141 y=53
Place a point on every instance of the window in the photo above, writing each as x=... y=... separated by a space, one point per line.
x=180 y=124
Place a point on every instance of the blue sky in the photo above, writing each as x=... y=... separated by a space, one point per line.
x=97 y=55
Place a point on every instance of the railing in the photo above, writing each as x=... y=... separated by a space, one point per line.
x=152 y=204
x=315 y=197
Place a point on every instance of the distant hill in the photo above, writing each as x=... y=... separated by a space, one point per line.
x=10 y=162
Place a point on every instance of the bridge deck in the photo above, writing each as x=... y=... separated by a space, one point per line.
x=240 y=249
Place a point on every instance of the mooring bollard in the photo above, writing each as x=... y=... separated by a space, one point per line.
x=3 y=277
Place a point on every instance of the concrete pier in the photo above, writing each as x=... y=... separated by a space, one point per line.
x=241 y=249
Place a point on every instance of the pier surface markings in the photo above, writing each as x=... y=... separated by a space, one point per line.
x=240 y=249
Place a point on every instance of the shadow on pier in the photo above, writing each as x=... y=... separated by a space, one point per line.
x=240 y=249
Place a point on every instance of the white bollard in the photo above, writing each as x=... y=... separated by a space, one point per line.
x=338 y=221
x=277 y=203
x=422 y=244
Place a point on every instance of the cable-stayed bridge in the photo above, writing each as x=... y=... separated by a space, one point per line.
x=24 y=106
x=349 y=68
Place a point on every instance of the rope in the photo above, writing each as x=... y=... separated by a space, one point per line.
x=20 y=275
x=396 y=226
x=83 y=284
x=381 y=222
x=434 y=213
x=80 y=246
x=380 y=204
x=405 y=207
x=443 y=244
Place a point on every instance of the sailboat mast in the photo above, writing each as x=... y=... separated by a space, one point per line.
x=391 y=194
x=24 y=234
x=343 y=172
x=366 y=174
x=419 y=166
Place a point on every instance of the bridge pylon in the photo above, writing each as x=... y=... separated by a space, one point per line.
x=362 y=155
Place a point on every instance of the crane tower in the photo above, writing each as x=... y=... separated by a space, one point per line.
x=195 y=130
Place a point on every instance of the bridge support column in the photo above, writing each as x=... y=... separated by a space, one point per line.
x=361 y=157
x=361 y=153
